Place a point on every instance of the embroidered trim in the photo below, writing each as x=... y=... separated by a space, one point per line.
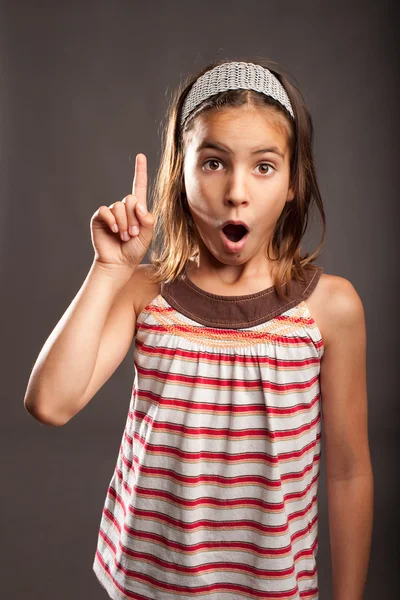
x=272 y=330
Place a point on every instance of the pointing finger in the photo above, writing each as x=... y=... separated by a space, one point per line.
x=139 y=186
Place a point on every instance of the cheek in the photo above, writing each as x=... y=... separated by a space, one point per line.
x=196 y=194
x=194 y=189
x=197 y=183
x=277 y=193
x=199 y=207
x=203 y=211
x=192 y=184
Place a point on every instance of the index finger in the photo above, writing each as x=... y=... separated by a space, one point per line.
x=139 y=186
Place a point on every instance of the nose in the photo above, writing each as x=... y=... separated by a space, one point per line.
x=236 y=190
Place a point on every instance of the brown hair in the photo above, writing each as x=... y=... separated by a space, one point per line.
x=174 y=242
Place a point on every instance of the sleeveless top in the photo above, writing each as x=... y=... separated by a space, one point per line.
x=214 y=492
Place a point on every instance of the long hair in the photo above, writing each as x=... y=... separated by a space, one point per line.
x=174 y=240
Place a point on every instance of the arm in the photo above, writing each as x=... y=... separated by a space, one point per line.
x=345 y=421
x=66 y=363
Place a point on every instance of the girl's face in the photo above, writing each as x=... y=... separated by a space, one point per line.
x=236 y=166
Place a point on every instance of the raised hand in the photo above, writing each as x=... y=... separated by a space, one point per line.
x=121 y=233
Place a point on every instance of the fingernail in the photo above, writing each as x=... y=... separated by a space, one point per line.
x=141 y=208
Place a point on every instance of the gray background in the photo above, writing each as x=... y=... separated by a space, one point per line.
x=83 y=88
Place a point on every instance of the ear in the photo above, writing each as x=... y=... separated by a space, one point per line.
x=290 y=195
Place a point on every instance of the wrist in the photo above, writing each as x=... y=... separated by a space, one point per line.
x=117 y=273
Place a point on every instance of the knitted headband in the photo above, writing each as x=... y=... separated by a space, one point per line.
x=232 y=76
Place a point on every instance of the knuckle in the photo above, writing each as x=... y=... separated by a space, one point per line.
x=98 y=214
x=119 y=207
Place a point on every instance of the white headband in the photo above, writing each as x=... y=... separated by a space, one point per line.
x=232 y=76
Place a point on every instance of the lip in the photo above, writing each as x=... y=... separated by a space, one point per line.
x=232 y=222
x=234 y=246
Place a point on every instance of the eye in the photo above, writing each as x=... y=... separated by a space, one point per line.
x=212 y=160
x=266 y=165
x=215 y=160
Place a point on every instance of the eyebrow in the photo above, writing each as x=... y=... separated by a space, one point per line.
x=218 y=146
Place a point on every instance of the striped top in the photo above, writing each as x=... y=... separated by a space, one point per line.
x=214 y=493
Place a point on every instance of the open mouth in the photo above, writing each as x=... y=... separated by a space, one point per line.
x=234 y=233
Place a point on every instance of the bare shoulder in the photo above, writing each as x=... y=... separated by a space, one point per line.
x=335 y=306
x=143 y=291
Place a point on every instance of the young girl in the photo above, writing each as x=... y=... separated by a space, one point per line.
x=241 y=345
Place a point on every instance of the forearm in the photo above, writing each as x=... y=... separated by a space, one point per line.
x=350 y=505
x=67 y=360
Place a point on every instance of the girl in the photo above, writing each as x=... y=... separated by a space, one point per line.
x=241 y=345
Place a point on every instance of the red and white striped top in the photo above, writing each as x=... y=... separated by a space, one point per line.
x=214 y=493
